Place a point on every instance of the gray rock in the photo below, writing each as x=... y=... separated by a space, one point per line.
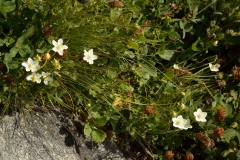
x=39 y=137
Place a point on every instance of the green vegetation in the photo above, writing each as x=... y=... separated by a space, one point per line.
x=162 y=76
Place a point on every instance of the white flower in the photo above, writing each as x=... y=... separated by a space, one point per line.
x=46 y=78
x=175 y=66
x=200 y=116
x=89 y=56
x=214 y=67
x=181 y=123
x=31 y=65
x=59 y=47
x=178 y=122
x=35 y=77
x=187 y=124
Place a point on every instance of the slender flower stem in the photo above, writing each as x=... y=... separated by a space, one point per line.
x=208 y=90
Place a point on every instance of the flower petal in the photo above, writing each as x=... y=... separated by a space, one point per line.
x=55 y=49
x=29 y=77
x=24 y=64
x=217 y=65
x=60 y=41
x=54 y=42
x=64 y=47
x=90 y=62
x=60 y=52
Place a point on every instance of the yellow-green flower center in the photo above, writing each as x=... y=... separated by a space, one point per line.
x=34 y=78
x=30 y=65
x=89 y=56
x=59 y=47
x=179 y=122
x=199 y=116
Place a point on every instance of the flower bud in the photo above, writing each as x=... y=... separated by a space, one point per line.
x=56 y=64
x=183 y=93
x=174 y=114
x=183 y=106
x=47 y=56
x=219 y=132
x=38 y=58
x=215 y=43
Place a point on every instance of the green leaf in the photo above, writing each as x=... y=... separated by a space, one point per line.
x=194 y=45
x=4 y=13
x=114 y=119
x=114 y=14
x=229 y=109
x=24 y=51
x=133 y=45
x=218 y=98
x=1 y=42
x=21 y=42
x=126 y=87
x=214 y=104
x=188 y=27
x=39 y=51
x=181 y=25
x=129 y=54
x=238 y=133
x=229 y=133
x=111 y=73
x=10 y=42
x=87 y=129
x=98 y=135
x=238 y=154
x=74 y=24
x=9 y=63
x=99 y=121
x=220 y=13
x=220 y=36
x=14 y=51
x=161 y=49
x=8 y=6
x=234 y=94
x=225 y=153
x=19 y=2
x=142 y=81
x=167 y=55
x=174 y=35
x=12 y=65
x=36 y=2
x=150 y=67
x=168 y=76
x=170 y=88
x=29 y=32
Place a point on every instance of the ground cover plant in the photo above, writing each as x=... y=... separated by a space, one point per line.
x=160 y=78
